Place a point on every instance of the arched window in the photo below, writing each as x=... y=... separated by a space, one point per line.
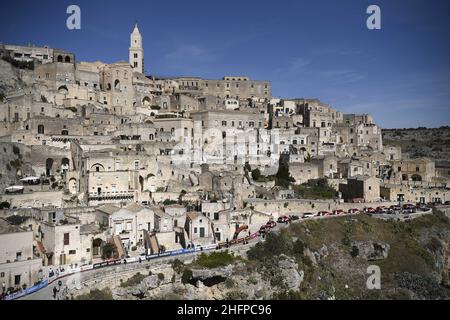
x=117 y=84
x=67 y=59
x=41 y=129
x=151 y=136
x=60 y=58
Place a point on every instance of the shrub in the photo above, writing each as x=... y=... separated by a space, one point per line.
x=5 y=205
x=215 y=259
x=177 y=266
x=160 y=276
x=316 y=189
x=274 y=245
x=108 y=250
x=236 y=295
x=97 y=294
x=229 y=283
x=256 y=174
x=187 y=276
x=16 y=150
x=133 y=281
x=354 y=252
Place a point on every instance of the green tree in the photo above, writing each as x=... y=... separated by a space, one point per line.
x=256 y=174
x=108 y=250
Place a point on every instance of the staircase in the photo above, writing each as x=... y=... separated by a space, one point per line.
x=118 y=243
x=151 y=242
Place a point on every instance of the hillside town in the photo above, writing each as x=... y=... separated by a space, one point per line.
x=103 y=162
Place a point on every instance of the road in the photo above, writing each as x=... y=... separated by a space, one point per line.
x=76 y=280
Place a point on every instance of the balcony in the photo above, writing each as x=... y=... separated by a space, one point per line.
x=113 y=195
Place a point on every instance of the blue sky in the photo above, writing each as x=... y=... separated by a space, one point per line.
x=313 y=49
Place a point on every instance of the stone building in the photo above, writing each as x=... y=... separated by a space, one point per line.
x=19 y=266
x=361 y=188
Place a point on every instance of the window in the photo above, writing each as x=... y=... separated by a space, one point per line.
x=195 y=230
x=72 y=251
x=19 y=256
x=216 y=216
x=224 y=123
x=66 y=239
x=2 y=275
x=17 y=280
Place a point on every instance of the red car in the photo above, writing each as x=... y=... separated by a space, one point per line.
x=271 y=224
x=283 y=219
x=264 y=229
x=338 y=212
x=323 y=214
x=369 y=210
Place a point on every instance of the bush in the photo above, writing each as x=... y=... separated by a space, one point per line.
x=274 y=245
x=97 y=294
x=316 y=189
x=5 y=205
x=133 y=281
x=256 y=174
x=177 y=266
x=187 y=276
x=229 y=283
x=236 y=295
x=354 y=252
x=108 y=250
x=16 y=150
x=160 y=276
x=288 y=295
x=215 y=259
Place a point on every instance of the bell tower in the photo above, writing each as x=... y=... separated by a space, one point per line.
x=136 y=51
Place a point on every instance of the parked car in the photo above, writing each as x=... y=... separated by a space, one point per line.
x=353 y=211
x=308 y=215
x=370 y=210
x=294 y=217
x=447 y=203
x=381 y=210
x=323 y=214
x=264 y=229
x=338 y=212
x=271 y=224
x=283 y=219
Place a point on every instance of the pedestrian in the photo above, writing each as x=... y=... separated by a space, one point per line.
x=54 y=292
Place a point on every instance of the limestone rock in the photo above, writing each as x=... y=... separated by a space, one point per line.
x=289 y=271
x=372 y=251
x=204 y=274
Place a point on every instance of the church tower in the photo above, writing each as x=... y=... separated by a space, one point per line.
x=136 y=51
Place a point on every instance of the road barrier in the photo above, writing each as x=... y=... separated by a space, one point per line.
x=64 y=271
